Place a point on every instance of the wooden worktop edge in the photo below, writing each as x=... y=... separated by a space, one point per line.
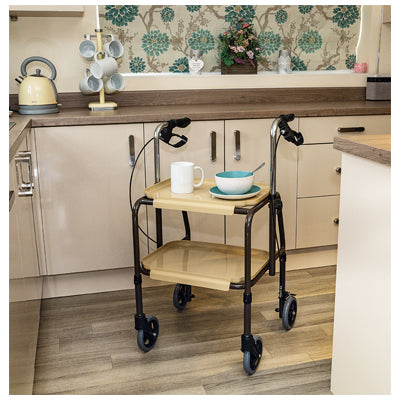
x=353 y=146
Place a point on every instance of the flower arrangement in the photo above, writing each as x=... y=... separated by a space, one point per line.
x=239 y=44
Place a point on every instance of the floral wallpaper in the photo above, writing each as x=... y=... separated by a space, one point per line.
x=159 y=38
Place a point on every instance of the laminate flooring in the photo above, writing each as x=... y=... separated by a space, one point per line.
x=87 y=344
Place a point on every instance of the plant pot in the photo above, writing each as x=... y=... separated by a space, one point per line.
x=238 y=69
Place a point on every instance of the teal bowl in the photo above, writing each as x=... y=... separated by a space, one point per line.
x=234 y=182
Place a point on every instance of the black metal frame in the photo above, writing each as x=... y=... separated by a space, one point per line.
x=275 y=217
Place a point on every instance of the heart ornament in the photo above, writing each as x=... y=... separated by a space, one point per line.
x=195 y=66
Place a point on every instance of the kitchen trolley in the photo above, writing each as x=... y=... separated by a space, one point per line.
x=210 y=265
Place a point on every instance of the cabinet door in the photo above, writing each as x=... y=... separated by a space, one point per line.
x=204 y=227
x=319 y=170
x=254 y=149
x=23 y=251
x=84 y=182
x=317 y=221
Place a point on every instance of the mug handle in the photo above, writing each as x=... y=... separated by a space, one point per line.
x=87 y=72
x=100 y=52
x=202 y=176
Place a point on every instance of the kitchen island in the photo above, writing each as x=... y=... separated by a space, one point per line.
x=361 y=337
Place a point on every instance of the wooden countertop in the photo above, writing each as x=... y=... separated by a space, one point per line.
x=201 y=112
x=18 y=132
x=372 y=147
x=206 y=112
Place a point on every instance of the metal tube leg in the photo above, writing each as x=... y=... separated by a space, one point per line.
x=136 y=259
x=159 y=234
x=247 y=275
x=272 y=233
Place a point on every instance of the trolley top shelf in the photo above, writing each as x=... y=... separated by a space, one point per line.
x=200 y=200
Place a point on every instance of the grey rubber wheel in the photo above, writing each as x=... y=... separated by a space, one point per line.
x=289 y=312
x=145 y=340
x=250 y=362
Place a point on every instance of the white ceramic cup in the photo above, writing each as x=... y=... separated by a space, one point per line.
x=87 y=48
x=103 y=67
x=114 y=48
x=114 y=83
x=182 y=177
x=90 y=84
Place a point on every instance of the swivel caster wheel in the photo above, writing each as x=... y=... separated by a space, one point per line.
x=250 y=360
x=147 y=340
x=182 y=294
x=289 y=312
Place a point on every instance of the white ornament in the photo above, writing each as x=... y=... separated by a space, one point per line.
x=195 y=62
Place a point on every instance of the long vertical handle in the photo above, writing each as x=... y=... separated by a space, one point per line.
x=213 y=153
x=236 y=135
x=25 y=188
x=131 y=150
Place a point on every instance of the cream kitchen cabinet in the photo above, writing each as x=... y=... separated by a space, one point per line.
x=23 y=250
x=25 y=283
x=84 y=178
x=205 y=147
x=247 y=144
x=319 y=169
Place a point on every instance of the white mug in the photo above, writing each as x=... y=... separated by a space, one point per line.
x=103 y=67
x=90 y=84
x=182 y=177
x=87 y=48
x=114 y=48
x=114 y=83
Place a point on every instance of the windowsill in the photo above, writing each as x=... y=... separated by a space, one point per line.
x=264 y=79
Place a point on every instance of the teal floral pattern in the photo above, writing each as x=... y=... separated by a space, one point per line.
x=344 y=16
x=137 y=65
x=305 y=9
x=281 y=16
x=310 y=41
x=159 y=38
x=167 y=14
x=270 y=41
x=181 y=65
x=202 y=40
x=193 y=8
x=297 y=64
x=121 y=15
x=233 y=13
x=350 y=61
x=155 y=43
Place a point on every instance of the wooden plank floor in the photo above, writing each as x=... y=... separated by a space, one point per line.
x=87 y=344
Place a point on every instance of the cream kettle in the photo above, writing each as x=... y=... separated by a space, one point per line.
x=37 y=94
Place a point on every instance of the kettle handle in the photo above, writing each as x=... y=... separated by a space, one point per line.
x=37 y=58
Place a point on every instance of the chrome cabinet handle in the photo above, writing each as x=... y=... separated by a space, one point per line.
x=11 y=197
x=351 y=129
x=131 y=150
x=213 y=153
x=338 y=170
x=25 y=187
x=236 y=135
x=336 y=221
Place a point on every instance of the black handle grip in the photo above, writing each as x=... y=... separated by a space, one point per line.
x=298 y=137
x=182 y=122
x=287 y=117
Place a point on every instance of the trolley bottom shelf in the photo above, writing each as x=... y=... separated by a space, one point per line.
x=210 y=265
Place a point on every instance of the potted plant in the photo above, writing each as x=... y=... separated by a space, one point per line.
x=240 y=48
